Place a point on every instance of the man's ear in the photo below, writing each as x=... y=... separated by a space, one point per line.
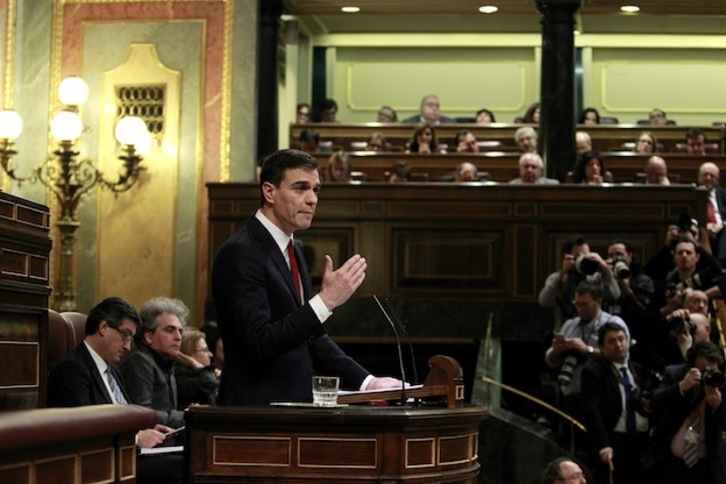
x=268 y=191
x=148 y=337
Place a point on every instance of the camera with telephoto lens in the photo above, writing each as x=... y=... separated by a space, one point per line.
x=621 y=268
x=712 y=377
x=585 y=266
x=568 y=366
x=699 y=280
x=683 y=326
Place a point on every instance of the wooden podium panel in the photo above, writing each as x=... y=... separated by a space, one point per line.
x=362 y=444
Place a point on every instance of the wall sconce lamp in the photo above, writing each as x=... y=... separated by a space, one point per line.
x=69 y=178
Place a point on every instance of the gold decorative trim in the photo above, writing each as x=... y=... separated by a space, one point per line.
x=122 y=452
x=224 y=148
x=10 y=29
x=432 y=460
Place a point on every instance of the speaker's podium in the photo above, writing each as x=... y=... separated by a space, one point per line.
x=356 y=441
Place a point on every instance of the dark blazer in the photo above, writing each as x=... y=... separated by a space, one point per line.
x=601 y=401
x=75 y=381
x=718 y=246
x=143 y=371
x=672 y=409
x=272 y=345
x=417 y=118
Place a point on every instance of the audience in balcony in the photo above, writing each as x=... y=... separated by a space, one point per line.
x=338 y=169
x=526 y=138
x=302 y=115
x=328 y=111
x=376 y=142
x=466 y=142
x=589 y=169
x=696 y=142
x=386 y=114
x=485 y=116
x=589 y=116
x=530 y=171
x=646 y=143
x=531 y=116
x=466 y=172
x=656 y=171
x=583 y=142
x=657 y=117
x=424 y=141
x=429 y=112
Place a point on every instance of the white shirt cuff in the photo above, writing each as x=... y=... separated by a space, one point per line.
x=366 y=382
x=320 y=309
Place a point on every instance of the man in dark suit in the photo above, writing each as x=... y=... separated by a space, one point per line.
x=617 y=424
x=429 y=112
x=271 y=323
x=87 y=377
x=709 y=177
x=691 y=412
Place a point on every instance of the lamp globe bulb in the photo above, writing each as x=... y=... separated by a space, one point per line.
x=66 y=126
x=131 y=130
x=11 y=125
x=73 y=91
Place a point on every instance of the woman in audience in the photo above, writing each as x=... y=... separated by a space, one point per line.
x=338 y=168
x=376 y=142
x=532 y=114
x=196 y=379
x=589 y=116
x=303 y=113
x=589 y=169
x=485 y=116
x=646 y=143
x=215 y=345
x=424 y=141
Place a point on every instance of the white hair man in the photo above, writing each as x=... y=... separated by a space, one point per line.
x=530 y=171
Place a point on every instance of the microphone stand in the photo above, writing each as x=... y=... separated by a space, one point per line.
x=398 y=346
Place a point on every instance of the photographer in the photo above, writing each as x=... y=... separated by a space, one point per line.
x=692 y=416
x=636 y=293
x=661 y=263
x=578 y=264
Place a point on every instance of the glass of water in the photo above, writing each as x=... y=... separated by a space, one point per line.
x=325 y=391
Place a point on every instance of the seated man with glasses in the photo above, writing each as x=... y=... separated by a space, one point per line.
x=87 y=376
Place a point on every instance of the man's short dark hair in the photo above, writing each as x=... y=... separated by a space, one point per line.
x=113 y=310
x=592 y=288
x=461 y=133
x=275 y=164
x=569 y=244
x=704 y=349
x=607 y=328
x=552 y=471
x=695 y=132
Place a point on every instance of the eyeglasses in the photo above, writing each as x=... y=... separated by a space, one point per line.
x=125 y=335
x=583 y=304
x=203 y=350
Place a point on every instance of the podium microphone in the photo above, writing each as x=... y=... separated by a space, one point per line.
x=398 y=346
x=403 y=329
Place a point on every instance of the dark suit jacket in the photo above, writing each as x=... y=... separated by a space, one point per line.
x=75 y=381
x=417 y=118
x=143 y=372
x=673 y=408
x=718 y=246
x=272 y=345
x=601 y=401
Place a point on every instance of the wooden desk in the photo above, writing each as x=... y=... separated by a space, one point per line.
x=362 y=444
x=24 y=268
x=604 y=137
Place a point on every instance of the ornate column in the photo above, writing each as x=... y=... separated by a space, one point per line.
x=557 y=96
x=267 y=75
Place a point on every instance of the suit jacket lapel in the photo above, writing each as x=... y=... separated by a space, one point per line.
x=268 y=242
x=95 y=374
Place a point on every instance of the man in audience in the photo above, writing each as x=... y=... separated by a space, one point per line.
x=692 y=419
x=696 y=142
x=466 y=142
x=614 y=410
x=271 y=323
x=657 y=117
x=309 y=141
x=526 y=138
x=583 y=142
x=656 y=171
x=563 y=470
x=87 y=376
x=328 y=111
x=147 y=369
x=303 y=113
x=387 y=115
x=466 y=172
x=578 y=264
x=429 y=112
x=530 y=171
x=709 y=177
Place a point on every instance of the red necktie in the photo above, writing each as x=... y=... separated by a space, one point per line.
x=293 y=267
x=710 y=212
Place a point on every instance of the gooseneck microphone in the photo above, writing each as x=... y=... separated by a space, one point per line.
x=398 y=346
x=403 y=329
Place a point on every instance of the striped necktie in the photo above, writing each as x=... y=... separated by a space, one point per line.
x=692 y=441
x=115 y=389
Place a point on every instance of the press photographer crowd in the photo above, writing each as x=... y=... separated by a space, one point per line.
x=637 y=358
